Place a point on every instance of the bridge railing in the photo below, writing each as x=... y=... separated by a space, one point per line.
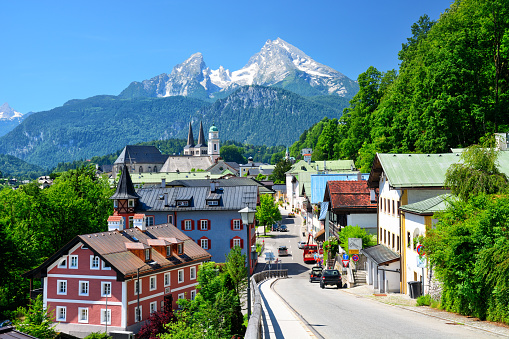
x=254 y=325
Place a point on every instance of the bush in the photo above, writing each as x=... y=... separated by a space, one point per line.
x=427 y=300
x=98 y=335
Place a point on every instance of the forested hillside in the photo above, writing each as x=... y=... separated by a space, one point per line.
x=451 y=89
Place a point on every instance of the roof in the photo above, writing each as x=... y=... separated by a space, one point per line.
x=201 y=137
x=334 y=165
x=319 y=181
x=232 y=198
x=320 y=235
x=230 y=182
x=134 y=154
x=349 y=196
x=299 y=167
x=153 y=178
x=213 y=128
x=185 y=163
x=190 y=138
x=324 y=207
x=380 y=254
x=222 y=166
x=429 y=206
x=113 y=248
x=125 y=187
x=115 y=218
x=9 y=332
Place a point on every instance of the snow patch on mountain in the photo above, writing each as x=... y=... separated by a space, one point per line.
x=7 y=113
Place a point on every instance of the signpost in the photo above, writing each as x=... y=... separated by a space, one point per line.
x=355 y=257
x=345 y=262
x=420 y=249
x=345 y=256
x=354 y=243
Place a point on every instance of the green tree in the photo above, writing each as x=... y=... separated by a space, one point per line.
x=278 y=175
x=236 y=267
x=35 y=320
x=268 y=212
x=233 y=153
x=355 y=232
x=477 y=174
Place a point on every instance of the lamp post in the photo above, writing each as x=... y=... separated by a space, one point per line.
x=247 y=214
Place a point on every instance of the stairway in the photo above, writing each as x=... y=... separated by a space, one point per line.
x=359 y=278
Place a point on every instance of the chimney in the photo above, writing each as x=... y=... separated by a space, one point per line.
x=115 y=222
x=165 y=199
x=163 y=182
x=372 y=196
x=140 y=221
x=359 y=176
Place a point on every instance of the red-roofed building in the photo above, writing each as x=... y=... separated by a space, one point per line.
x=351 y=203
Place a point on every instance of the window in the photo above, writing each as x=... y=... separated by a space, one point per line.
x=193 y=273
x=204 y=243
x=104 y=267
x=389 y=240
x=147 y=254
x=393 y=243
x=204 y=225
x=181 y=296
x=137 y=313
x=62 y=287
x=83 y=288
x=131 y=222
x=408 y=240
x=150 y=221
x=105 y=316
x=155 y=168
x=115 y=203
x=141 y=169
x=62 y=263
x=393 y=208
x=130 y=203
x=84 y=247
x=181 y=276
x=167 y=280
x=168 y=251
x=153 y=307
x=136 y=287
x=73 y=263
x=237 y=242
x=193 y=294
x=83 y=314
x=153 y=284
x=61 y=313
x=385 y=236
x=187 y=225
x=212 y=202
x=94 y=262
x=183 y=203
x=236 y=224
x=105 y=289
x=170 y=219
x=180 y=249
x=397 y=243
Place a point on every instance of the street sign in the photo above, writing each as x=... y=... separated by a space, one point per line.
x=353 y=251
x=420 y=249
x=355 y=257
x=345 y=256
x=355 y=244
x=345 y=263
x=320 y=251
x=421 y=262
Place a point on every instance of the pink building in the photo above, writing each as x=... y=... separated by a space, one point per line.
x=92 y=283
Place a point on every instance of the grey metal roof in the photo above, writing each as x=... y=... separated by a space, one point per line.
x=429 y=206
x=233 y=198
x=381 y=254
x=125 y=187
x=134 y=154
x=229 y=182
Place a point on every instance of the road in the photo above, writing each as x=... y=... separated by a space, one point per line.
x=334 y=313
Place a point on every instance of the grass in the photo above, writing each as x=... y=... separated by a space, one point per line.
x=427 y=300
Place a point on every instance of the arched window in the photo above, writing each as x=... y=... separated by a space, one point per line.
x=155 y=168
x=141 y=169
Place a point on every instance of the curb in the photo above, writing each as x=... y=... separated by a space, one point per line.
x=423 y=313
x=312 y=332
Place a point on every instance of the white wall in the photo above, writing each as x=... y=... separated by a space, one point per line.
x=388 y=216
x=364 y=220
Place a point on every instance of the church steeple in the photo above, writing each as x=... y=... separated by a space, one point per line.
x=125 y=197
x=201 y=137
x=189 y=148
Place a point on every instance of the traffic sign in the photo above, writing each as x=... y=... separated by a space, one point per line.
x=355 y=243
x=345 y=256
x=420 y=249
x=355 y=257
x=345 y=263
x=320 y=251
x=353 y=251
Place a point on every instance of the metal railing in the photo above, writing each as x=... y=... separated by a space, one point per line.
x=254 y=325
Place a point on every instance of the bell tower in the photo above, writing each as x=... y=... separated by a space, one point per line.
x=213 y=151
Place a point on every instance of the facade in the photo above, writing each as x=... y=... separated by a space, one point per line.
x=101 y=280
x=207 y=211
x=140 y=159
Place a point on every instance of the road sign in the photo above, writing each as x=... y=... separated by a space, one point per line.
x=355 y=257
x=345 y=256
x=320 y=251
x=355 y=244
x=421 y=262
x=420 y=249
x=353 y=251
x=345 y=263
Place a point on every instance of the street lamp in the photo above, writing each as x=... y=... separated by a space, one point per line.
x=247 y=214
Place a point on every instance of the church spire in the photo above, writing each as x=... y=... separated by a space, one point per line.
x=190 y=138
x=201 y=137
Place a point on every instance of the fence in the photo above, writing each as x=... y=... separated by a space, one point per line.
x=254 y=326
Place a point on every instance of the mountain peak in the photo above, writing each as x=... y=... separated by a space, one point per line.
x=7 y=113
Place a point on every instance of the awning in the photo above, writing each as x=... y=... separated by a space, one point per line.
x=324 y=207
x=381 y=254
x=320 y=236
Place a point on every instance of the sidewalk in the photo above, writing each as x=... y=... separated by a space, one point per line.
x=277 y=319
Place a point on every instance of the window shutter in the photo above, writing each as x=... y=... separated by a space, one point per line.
x=241 y=226
x=210 y=244
x=242 y=243
x=231 y=224
x=231 y=243
x=192 y=225
x=182 y=224
x=208 y=225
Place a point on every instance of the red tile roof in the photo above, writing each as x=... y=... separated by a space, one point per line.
x=114 y=218
x=350 y=196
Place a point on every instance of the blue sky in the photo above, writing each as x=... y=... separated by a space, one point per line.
x=54 y=51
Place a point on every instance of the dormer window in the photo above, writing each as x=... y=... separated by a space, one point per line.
x=168 y=251
x=131 y=203
x=212 y=202
x=183 y=203
x=180 y=249
x=115 y=203
x=147 y=254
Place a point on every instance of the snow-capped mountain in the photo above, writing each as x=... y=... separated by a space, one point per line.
x=277 y=64
x=7 y=113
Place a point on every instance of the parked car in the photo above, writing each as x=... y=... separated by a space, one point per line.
x=282 y=251
x=283 y=228
x=331 y=277
x=275 y=227
x=315 y=274
x=291 y=215
x=301 y=244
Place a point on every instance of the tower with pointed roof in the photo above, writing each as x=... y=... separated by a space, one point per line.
x=125 y=198
x=213 y=143
x=200 y=149
x=189 y=148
